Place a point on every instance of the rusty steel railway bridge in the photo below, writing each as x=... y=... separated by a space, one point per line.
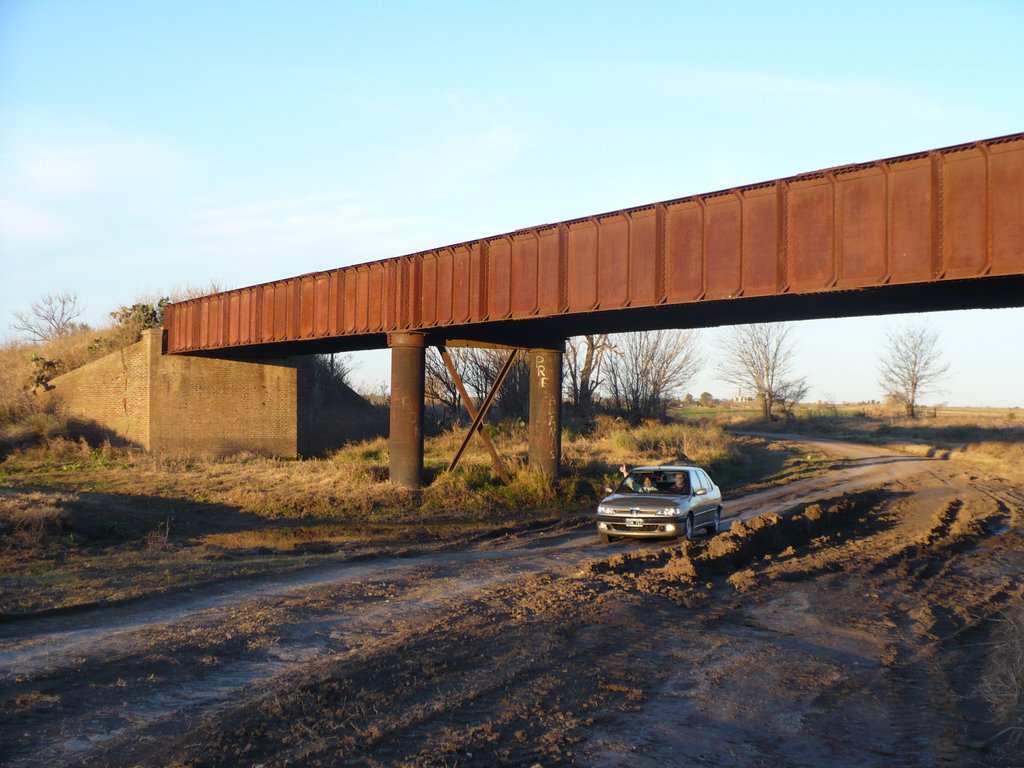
x=939 y=229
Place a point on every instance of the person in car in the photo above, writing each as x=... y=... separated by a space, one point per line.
x=648 y=485
x=680 y=486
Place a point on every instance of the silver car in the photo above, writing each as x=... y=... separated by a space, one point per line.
x=663 y=501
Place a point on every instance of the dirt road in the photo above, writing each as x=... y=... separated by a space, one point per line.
x=854 y=632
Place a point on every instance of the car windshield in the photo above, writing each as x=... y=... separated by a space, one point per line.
x=646 y=481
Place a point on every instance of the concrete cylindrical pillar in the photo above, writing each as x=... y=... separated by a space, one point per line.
x=405 y=442
x=545 y=411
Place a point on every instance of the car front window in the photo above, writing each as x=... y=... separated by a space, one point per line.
x=639 y=482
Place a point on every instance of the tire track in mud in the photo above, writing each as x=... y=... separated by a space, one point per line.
x=300 y=624
x=787 y=640
x=918 y=701
x=941 y=556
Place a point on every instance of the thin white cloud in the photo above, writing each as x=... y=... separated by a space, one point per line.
x=823 y=97
x=467 y=140
x=55 y=188
x=310 y=215
x=22 y=222
x=283 y=215
x=306 y=232
x=92 y=165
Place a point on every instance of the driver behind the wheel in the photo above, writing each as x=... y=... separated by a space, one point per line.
x=680 y=486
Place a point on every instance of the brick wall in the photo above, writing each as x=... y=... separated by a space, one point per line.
x=203 y=405
x=185 y=404
x=113 y=392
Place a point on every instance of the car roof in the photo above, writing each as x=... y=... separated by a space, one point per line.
x=664 y=468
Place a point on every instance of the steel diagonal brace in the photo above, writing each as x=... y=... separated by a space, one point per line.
x=478 y=418
x=467 y=401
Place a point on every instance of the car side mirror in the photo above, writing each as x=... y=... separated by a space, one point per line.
x=699 y=492
x=607 y=489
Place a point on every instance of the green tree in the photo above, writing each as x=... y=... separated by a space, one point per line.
x=131 y=321
x=142 y=315
x=43 y=371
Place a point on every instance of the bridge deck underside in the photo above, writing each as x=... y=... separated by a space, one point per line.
x=942 y=229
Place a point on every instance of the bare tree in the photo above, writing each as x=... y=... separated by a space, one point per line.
x=340 y=366
x=584 y=356
x=646 y=368
x=759 y=358
x=791 y=393
x=439 y=386
x=830 y=401
x=478 y=368
x=911 y=365
x=194 y=291
x=513 y=399
x=51 y=317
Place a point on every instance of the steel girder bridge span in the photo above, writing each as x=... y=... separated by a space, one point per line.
x=938 y=229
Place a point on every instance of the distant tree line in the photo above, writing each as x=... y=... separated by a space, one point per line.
x=641 y=374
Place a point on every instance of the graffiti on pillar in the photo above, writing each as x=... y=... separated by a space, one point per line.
x=552 y=408
x=552 y=433
x=542 y=374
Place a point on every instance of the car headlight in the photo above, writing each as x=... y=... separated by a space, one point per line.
x=603 y=510
x=668 y=511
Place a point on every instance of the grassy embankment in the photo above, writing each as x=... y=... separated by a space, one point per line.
x=80 y=525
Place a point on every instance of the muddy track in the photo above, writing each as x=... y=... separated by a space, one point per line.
x=832 y=623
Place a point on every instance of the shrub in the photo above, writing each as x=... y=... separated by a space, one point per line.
x=1002 y=686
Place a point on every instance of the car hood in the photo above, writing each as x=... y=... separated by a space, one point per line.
x=642 y=501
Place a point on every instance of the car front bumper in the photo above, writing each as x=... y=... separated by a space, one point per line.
x=640 y=526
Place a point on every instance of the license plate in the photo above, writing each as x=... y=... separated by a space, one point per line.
x=634 y=522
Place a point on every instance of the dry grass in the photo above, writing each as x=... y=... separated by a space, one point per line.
x=28 y=520
x=96 y=523
x=1002 y=686
x=26 y=414
x=614 y=442
x=351 y=485
x=990 y=438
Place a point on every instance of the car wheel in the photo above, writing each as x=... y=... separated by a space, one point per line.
x=716 y=527
x=605 y=538
x=689 y=526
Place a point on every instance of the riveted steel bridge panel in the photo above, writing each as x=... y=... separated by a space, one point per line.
x=917 y=221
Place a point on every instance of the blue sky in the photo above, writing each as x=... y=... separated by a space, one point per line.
x=144 y=146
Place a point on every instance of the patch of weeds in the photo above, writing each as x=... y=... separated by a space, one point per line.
x=527 y=489
x=159 y=540
x=624 y=440
x=1002 y=685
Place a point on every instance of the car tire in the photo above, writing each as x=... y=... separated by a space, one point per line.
x=605 y=538
x=689 y=527
x=716 y=527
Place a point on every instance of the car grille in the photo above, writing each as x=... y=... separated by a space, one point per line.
x=645 y=528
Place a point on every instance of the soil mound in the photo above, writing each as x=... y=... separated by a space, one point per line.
x=729 y=553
